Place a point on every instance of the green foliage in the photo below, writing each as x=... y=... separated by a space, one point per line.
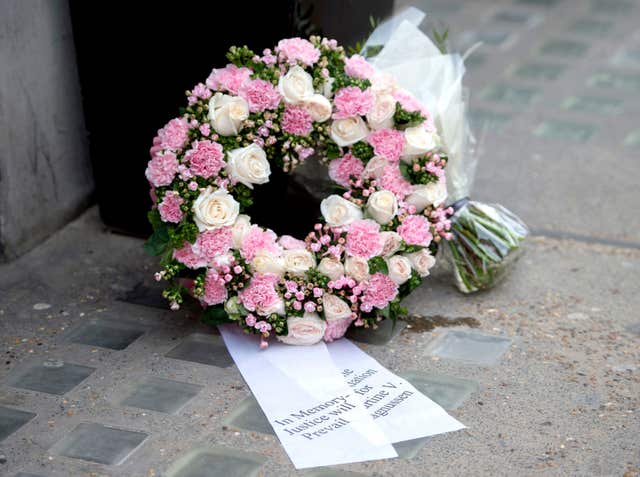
x=241 y=56
x=357 y=48
x=362 y=150
x=405 y=170
x=332 y=150
x=243 y=195
x=342 y=81
x=407 y=287
x=215 y=315
x=378 y=264
x=441 y=39
x=160 y=239
x=404 y=118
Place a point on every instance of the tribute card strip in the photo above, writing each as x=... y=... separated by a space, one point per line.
x=318 y=418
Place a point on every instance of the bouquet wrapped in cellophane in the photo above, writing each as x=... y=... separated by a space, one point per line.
x=485 y=238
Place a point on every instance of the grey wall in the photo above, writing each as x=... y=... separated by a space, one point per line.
x=45 y=174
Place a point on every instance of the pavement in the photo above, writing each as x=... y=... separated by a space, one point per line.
x=544 y=370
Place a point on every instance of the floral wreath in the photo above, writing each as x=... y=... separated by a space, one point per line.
x=377 y=240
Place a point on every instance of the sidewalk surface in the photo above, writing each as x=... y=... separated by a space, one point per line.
x=98 y=379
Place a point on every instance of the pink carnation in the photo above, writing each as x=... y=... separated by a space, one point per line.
x=294 y=50
x=379 y=291
x=387 y=143
x=162 y=169
x=257 y=239
x=201 y=91
x=215 y=291
x=290 y=243
x=415 y=230
x=214 y=243
x=297 y=120
x=261 y=295
x=357 y=67
x=169 y=208
x=229 y=78
x=343 y=168
x=175 y=134
x=352 y=101
x=260 y=95
x=364 y=239
x=206 y=158
x=393 y=180
x=336 y=328
x=190 y=257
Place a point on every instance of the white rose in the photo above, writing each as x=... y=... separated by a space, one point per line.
x=335 y=308
x=348 y=131
x=383 y=83
x=265 y=262
x=381 y=115
x=424 y=195
x=298 y=261
x=306 y=330
x=357 y=268
x=399 y=269
x=214 y=209
x=338 y=211
x=421 y=261
x=240 y=229
x=296 y=86
x=318 y=107
x=331 y=267
x=276 y=307
x=382 y=206
x=392 y=241
x=375 y=167
x=226 y=113
x=248 y=165
x=418 y=141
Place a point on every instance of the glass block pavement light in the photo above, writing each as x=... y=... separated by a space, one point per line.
x=505 y=93
x=101 y=444
x=215 y=461
x=386 y=332
x=469 y=346
x=564 y=130
x=12 y=419
x=248 y=415
x=110 y=334
x=49 y=376
x=159 y=394
x=539 y=71
x=593 y=104
x=449 y=392
x=204 y=349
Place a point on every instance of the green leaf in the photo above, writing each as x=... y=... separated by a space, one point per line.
x=378 y=264
x=386 y=311
x=158 y=242
x=215 y=315
x=154 y=218
x=404 y=170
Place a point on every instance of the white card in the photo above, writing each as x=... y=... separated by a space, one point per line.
x=317 y=417
x=399 y=409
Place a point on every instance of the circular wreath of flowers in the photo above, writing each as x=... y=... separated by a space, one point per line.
x=378 y=238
